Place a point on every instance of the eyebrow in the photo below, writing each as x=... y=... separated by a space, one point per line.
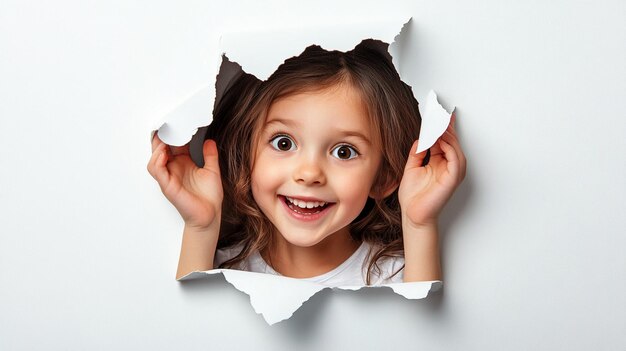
x=355 y=134
x=344 y=133
x=287 y=122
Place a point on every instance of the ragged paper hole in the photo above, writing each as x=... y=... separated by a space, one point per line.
x=310 y=158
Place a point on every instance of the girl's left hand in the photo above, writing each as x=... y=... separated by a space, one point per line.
x=424 y=190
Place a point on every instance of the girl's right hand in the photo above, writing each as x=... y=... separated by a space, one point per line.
x=196 y=193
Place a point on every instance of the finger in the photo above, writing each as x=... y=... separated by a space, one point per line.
x=451 y=125
x=453 y=141
x=161 y=173
x=449 y=135
x=452 y=159
x=416 y=160
x=435 y=150
x=156 y=141
x=209 y=151
x=450 y=138
x=180 y=150
x=153 y=158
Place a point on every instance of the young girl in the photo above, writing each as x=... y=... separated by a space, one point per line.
x=317 y=176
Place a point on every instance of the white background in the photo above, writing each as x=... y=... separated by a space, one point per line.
x=533 y=241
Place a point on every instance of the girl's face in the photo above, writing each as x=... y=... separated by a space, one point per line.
x=315 y=163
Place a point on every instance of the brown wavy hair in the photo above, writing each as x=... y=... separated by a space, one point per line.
x=240 y=115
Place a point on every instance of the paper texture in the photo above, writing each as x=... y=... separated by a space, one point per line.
x=260 y=53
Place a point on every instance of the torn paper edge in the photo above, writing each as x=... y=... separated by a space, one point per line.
x=179 y=125
x=185 y=120
x=276 y=297
x=435 y=121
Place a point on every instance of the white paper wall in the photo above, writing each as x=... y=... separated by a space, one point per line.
x=533 y=241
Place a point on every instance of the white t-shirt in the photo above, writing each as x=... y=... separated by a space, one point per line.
x=352 y=272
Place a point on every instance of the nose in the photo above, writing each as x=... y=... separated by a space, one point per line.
x=309 y=171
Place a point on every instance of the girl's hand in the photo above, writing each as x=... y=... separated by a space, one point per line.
x=424 y=190
x=196 y=192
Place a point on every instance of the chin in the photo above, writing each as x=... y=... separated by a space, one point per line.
x=303 y=239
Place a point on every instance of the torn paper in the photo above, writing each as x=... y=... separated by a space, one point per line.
x=276 y=298
x=435 y=120
x=261 y=53
x=243 y=48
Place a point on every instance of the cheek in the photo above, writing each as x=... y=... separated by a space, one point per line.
x=353 y=189
x=356 y=185
x=265 y=177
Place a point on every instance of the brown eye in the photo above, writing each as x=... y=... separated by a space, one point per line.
x=282 y=143
x=344 y=152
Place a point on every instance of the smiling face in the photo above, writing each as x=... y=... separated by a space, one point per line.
x=315 y=162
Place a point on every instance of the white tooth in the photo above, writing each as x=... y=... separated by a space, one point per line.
x=305 y=204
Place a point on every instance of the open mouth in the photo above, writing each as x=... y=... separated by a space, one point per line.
x=305 y=208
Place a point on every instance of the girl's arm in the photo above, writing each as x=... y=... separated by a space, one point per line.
x=197 y=250
x=421 y=253
x=197 y=194
x=423 y=192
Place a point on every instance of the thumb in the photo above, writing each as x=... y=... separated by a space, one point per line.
x=417 y=160
x=209 y=151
